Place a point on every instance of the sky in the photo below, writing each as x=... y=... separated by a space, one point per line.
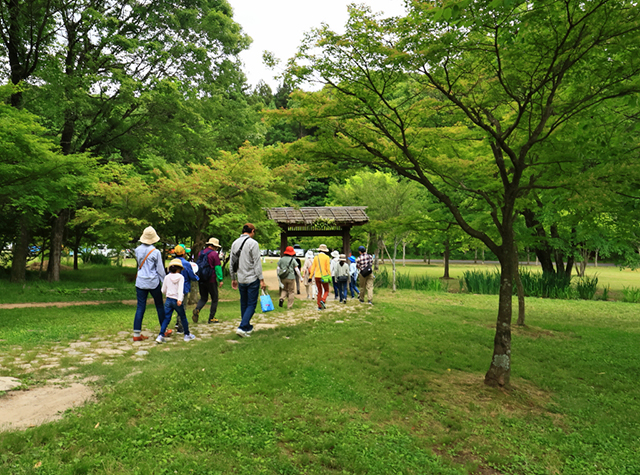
x=278 y=26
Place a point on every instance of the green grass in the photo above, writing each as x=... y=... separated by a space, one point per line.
x=397 y=390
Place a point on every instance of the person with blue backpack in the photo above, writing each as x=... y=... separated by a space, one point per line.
x=210 y=274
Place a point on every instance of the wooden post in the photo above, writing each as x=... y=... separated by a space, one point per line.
x=346 y=240
x=283 y=241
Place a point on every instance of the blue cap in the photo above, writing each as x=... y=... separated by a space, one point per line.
x=362 y=249
x=352 y=259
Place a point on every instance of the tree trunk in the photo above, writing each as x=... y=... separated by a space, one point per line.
x=475 y=257
x=446 y=259
x=20 y=252
x=57 y=238
x=519 y=287
x=500 y=370
x=483 y=257
x=595 y=258
x=404 y=254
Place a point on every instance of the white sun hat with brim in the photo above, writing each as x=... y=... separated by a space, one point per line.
x=149 y=236
x=335 y=254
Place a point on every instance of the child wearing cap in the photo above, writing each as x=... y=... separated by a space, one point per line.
x=342 y=277
x=353 y=283
x=173 y=288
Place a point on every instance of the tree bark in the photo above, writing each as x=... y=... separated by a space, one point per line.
x=55 y=251
x=446 y=259
x=499 y=372
x=20 y=252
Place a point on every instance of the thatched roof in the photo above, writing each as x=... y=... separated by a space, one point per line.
x=340 y=215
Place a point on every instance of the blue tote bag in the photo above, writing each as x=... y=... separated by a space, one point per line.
x=266 y=304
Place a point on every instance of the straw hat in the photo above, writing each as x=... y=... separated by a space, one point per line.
x=343 y=258
x=323 y=248
x=289 y=251
x=335 y=254
x=176 y=262
x=149 y=236
x=213 y=242
x=179 y=250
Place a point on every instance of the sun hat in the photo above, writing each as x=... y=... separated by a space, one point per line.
x=149 y=236
x=289 y=251
x=176 y=262
x=362 y=249
x=309 y=254
x=213 y=242
x=179 y=250
x=323 y=248
x=335 y=254
x=352 y=259
x=343 y=258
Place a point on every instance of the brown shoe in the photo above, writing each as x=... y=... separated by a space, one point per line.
x=168 y=332
x=140 y=338
x=194 y=317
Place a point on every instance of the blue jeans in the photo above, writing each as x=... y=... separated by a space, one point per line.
x=169 y=306
x=336 y=288
x=142 y=295
x=248 y=301
x=353 y=286
x=342 y=290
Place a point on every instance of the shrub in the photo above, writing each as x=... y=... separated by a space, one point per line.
x=97 y=259
x=382 y=279
x=543 y=285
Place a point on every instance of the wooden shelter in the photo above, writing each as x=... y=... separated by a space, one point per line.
x=318 y=221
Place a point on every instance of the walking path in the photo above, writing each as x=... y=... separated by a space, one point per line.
x=60 y=364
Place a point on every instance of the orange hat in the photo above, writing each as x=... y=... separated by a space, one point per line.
x=289 y=251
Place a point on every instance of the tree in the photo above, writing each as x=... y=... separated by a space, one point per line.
x=391 y=206
x=459 y=97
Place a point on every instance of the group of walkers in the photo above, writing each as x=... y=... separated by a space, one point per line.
x=324 y=268
x=245 y=267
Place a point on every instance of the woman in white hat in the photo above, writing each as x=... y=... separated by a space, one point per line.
x=148 y=280
x=335 y=259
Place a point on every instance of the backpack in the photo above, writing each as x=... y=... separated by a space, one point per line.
x=284 y=272
x=204 y=269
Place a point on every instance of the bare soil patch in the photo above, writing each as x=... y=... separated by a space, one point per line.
x=22 y=409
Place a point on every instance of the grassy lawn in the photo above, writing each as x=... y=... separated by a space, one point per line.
x=396 y=388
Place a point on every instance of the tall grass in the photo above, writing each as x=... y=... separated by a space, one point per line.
x=631 y=294
x=535 y=284
x=405 y=281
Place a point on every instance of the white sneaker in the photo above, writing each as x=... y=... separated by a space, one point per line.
x=240 y=332
x=160 y=339
x=189 y=337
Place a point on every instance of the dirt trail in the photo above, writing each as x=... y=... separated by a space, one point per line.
x=59 y=365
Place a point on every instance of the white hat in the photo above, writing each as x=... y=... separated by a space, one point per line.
x=214 y=242
x=343 y=258
x=177 y=263
x=335 y=254
x=323 y=248
x=149 y=236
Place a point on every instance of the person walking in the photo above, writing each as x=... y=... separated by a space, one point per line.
x=246 y=276
x=321 y=271
x=209 y=267
x=298 y=275
x=364 y=264
x=335 y=259
x=189 y=275
x=148 y=279
x=353 y=279
x=306 y=277
x=173 y=288
x=288 y=269
x=342 y=277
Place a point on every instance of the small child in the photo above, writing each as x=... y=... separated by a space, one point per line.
x=173 y=288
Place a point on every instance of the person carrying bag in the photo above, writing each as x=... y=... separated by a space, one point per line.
x=321 y=271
